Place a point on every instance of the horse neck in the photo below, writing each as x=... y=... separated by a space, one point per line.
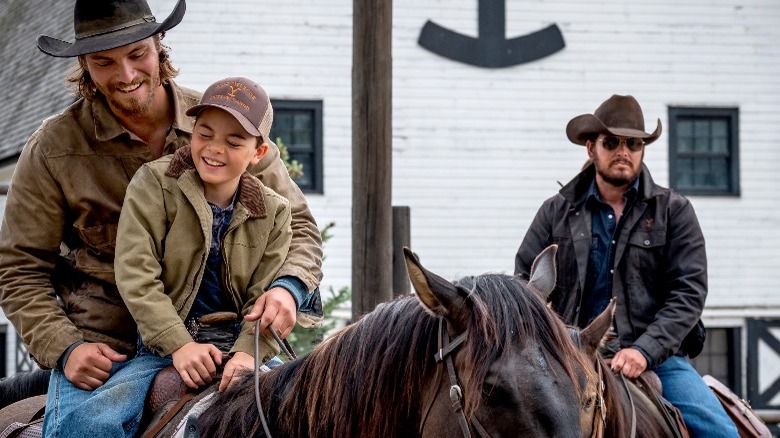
x=622 y=410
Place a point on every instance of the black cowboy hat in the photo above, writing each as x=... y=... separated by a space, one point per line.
x=104 y=24
x=618 y=115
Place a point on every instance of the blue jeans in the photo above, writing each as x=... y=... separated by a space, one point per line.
x=112 y=410
x=702 y=412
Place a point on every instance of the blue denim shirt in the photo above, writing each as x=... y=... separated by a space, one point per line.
x=211 y=295
x=605 y=229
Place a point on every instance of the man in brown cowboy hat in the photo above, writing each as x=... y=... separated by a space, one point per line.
x=621 y=236
x=58 y=235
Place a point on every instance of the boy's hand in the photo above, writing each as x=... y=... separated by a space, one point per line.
x=240 y=364
x=197 y=363
x=89 y=365
x=277 y=308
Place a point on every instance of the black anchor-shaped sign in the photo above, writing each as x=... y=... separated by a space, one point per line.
x=491 y=48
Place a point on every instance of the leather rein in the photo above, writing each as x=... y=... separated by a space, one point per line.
x=445 y=354
x=286 y=349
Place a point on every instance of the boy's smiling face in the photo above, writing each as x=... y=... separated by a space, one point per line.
x=221 y=151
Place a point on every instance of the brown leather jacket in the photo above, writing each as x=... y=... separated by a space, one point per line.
x=59 y=231
x=660 y=280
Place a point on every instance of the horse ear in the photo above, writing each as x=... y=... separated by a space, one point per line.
x=434 y=292
x=543 y=271
x=592 y=336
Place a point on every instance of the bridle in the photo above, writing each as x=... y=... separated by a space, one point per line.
x=445 y=354
x=600 y=406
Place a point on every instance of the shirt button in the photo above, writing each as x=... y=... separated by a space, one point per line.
x=611 y=271
x=609 y=216
x=577 y=213
x=613 y=242
x=647 y=242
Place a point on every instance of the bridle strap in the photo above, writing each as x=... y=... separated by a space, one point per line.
x=600 y=428
x=446 y=348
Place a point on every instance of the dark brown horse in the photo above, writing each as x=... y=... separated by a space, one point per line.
x=616 y=407
x=515 y=371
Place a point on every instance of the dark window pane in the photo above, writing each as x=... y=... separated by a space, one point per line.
x=303 y=121
x=701 y=144
x=701 y=128
x=685 y=128
x=302 y=138
x=283 y=121
x=685 y=173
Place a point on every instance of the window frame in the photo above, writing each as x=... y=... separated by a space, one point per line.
x=732 y=116
x=315 y=106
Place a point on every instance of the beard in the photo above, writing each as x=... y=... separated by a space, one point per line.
x=614 y=176
x=131 y=106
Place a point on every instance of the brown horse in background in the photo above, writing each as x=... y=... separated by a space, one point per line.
x=515 y=371
x=617 y=407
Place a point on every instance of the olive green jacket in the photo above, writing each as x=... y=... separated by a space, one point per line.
x=58 y=235
x=163 y=242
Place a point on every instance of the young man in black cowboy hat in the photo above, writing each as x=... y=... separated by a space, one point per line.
x=621 y=236
x=58 y=235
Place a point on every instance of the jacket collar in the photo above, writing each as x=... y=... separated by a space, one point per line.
x=250 y=190
x=576 y=191
x=107 y=126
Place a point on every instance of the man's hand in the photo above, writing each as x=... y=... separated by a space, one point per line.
x=240 y=364
x=630 y=362
x=197 y=363
x=89 y=365
x=276 y=308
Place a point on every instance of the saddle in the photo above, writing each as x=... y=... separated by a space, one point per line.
x=749 y=425
x=23 y=419
x=169 y=400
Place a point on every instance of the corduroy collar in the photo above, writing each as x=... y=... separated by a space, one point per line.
x=250 y=190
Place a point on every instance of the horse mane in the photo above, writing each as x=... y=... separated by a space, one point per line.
x=367 y=379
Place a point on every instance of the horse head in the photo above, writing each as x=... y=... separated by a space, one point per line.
x=517 y=371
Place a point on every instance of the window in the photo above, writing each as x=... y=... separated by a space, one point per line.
x=298 y=124
x=720 y=357
x=703 y=151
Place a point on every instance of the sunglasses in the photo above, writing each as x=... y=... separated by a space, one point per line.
x=612 y=142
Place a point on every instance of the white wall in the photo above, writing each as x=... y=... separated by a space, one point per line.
x=477 y=150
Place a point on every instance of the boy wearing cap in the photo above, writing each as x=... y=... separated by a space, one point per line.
x=621 y=236
x=197 y=235
x=57 y=280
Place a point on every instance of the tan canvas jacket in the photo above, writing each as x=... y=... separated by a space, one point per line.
x=59 y=231
x=163 y=242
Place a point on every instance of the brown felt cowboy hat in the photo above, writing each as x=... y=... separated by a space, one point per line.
x=618 y=115
x=105 y=24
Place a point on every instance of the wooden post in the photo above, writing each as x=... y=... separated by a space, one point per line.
x=372 y=246
x=402 y=236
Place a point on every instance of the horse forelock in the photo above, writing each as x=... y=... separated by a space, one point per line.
x=506 y=310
